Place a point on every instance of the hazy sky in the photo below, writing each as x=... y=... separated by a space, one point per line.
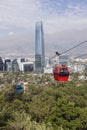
x=64 y=21
x=57 y=15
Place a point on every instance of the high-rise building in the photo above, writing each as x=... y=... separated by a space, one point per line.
x=15 y=66
x=9 y=66
x=1 y=64
x=28 y=67
x=7 y=60
x=39 y=48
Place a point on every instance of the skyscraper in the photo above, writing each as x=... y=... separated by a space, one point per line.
x=39 y=48
x=7 y=62
x=1 y=64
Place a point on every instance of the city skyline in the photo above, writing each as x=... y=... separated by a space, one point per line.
x=65 y=24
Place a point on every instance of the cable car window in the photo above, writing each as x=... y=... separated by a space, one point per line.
x=63 y=72
x=19 y=88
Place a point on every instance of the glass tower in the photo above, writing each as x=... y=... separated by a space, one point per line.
x=39 y=48
x=1 y=64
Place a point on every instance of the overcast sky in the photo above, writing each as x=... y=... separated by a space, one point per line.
x=56 y=15
x=20 y=16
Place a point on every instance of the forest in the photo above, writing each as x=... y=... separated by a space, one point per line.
x=44 y=104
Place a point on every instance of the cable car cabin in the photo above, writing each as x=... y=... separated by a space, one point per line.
x=19 y=88
x=61 y=73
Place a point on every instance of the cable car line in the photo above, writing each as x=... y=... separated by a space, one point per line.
x=80 y=55
x=61 y=73
x=71 y=48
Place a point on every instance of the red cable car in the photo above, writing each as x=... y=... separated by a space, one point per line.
x=61 y=73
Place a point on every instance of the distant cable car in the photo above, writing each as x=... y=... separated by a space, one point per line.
x=19 y=88
x=61 y=73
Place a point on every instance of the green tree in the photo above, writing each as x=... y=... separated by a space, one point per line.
x=22 y=121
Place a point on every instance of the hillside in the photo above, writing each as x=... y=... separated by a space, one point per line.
x=45 y=104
